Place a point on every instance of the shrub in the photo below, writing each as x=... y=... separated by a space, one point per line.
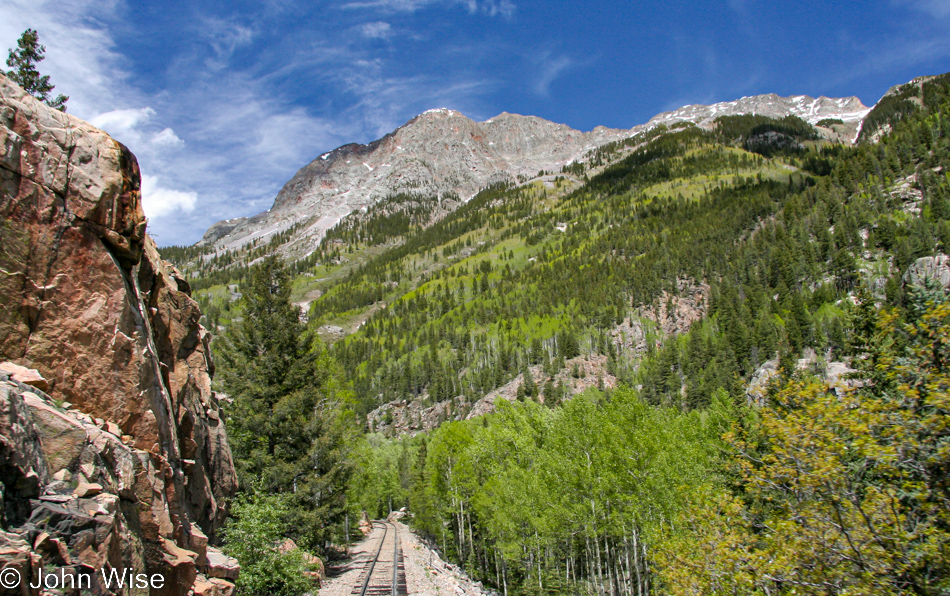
x=253 y=536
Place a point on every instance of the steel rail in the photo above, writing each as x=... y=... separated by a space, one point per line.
x=372 y=565
x=395 y=560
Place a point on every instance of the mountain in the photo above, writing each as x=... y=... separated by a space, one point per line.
x=848 y=109
x=357 y=266
x=444 y=154
x=438 y=153
x=681 y=364
x=700 y=349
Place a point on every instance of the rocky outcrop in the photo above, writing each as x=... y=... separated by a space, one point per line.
x=669 y=315
x=578 y=375
x=403 y=417
x=365 y=525
x=836 y=374
x=935 y=268
x=318 y=571
x=22 y=374
x=675 y=313
x=87 y=303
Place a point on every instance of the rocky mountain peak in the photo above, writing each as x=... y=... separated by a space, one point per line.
x=439 y=152
x=442 y=152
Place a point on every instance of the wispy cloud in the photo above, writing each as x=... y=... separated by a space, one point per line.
x=936 y=8
x=216 y=133
x=383 y=100
x=81 y=57
x=550 y=67
x=917 y=44
x=224 y=36
x=503 y=8
x=492 y=8
x=901 y=54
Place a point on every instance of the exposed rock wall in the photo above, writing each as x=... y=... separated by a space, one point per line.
x=86 y=300
x=835 y=373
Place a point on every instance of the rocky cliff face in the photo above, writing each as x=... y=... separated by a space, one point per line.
x=123 y=460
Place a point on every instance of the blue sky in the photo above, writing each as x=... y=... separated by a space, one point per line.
x=222 y=102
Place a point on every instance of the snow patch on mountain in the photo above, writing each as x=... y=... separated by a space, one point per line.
x=810 y=109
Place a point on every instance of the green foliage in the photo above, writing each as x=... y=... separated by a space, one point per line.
x=23 y=61
x=764 y=135
x=382 y=475
x=745 y=126
x=890 y=109
x=902 y=102
x=253 y=535
x=842 y=489
x=447 y=313
x=289 y=427
x=393 y=217
x=532 y=498
x=511 y=496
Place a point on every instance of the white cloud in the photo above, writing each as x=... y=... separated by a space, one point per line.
x=122 y=122
x=152 y=145
x=376 y=30
x=158 y=201
x=167 y=137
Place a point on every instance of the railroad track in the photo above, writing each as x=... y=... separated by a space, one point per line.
x=384 y=574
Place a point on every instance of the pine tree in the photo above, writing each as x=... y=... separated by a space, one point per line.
x=530 y=387
x=288 y=428
x=23 y=61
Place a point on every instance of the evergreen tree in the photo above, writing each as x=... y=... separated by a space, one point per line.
x=288 y=428
x=23 y=61
x=530 y=387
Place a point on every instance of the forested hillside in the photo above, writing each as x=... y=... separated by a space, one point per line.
x=674 y=267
